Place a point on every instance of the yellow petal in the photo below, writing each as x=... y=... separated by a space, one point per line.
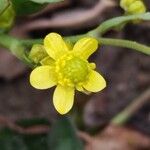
x=85 y=47
x=81 y=89
x=42 y=77
x=55 y=45
x=95 y=83
x=63 y=99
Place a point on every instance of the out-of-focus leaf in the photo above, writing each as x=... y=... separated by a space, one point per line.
x=11 y=141
x=3 y=5
x=63 y=136
x=26 y=7
x=46 y=1
x=31 y=122
x=36 y=142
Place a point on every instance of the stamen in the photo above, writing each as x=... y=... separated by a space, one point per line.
x=72 y=70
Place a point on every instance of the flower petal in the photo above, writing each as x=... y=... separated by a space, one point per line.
x=55 y=45
x=42 y=77
x=95 y=83
x=63 y=99
x=85 y=47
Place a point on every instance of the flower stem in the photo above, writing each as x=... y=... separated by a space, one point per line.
x=126 y=44
x=116 y=22
x=115 y=42
x=31 y=42
x=126 y=114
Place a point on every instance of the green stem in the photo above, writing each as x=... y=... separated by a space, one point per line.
x=115 y=23
x=103 y=41
x=115 y=42
x=127 y=113
x=75 y=38
x=126 y=44
x=18 y=47
x=30 y=42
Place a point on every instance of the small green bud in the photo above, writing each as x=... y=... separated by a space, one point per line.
x=37 y=53
x=124 y=4
x=132 y=7
x=137 y=7
x=47 y=61
x=7 y=18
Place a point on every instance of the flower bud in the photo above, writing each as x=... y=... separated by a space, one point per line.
x=132 y=7
x=137 y=7
x=37 y=53
x=126 y=3
x=7 y=18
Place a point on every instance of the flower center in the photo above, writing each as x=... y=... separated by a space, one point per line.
x=71 y=70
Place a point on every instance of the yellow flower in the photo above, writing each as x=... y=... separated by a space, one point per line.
x=68 y=70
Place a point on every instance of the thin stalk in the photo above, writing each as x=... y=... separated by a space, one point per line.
x=30 y=42
x=103 y=41
x=73 y=39
x=128 y=112
x=116 y=42
x=126 y=44
x=114 y=23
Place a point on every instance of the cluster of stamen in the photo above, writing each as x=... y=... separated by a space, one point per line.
x=71 y=70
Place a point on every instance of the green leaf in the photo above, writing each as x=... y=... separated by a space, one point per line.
x=26 y=7
x=36 y=142
x=46 y=1
x=3 y=5
x=63 y=136
x=11 y=141
x=32 y=122
x=116 y=22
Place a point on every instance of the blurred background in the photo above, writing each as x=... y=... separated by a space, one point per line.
x=127 y=73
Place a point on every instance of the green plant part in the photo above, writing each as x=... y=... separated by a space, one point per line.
x=132 y=7
x=137 y=7
x=37 y=53
x=7 y=18
x=124 y=4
